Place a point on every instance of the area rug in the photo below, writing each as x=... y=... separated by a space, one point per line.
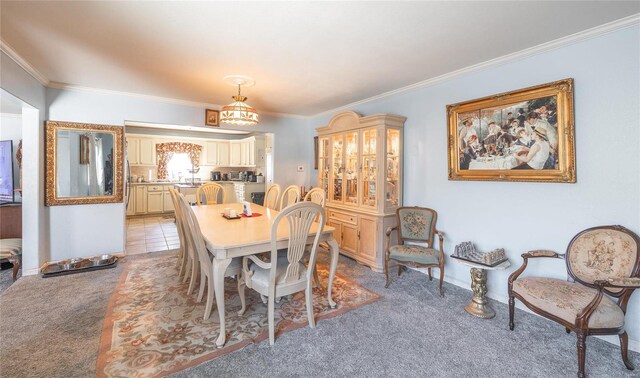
x=154 y=328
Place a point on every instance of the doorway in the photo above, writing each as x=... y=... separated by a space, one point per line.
x=22 y=209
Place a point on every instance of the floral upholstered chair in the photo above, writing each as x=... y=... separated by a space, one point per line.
x=600 y=260
x=416 y=228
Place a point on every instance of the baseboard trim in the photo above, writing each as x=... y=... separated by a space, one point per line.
x=30 y=272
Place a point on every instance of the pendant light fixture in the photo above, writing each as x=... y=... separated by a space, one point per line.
x=239 y=113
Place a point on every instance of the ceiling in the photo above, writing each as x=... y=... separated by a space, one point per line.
x=306 y=57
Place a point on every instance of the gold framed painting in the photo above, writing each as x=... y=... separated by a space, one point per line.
x=211 y=117
x=523 y=135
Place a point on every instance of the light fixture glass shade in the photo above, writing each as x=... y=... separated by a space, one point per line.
x=239 y=113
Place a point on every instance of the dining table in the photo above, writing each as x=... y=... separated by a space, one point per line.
x=227 y=239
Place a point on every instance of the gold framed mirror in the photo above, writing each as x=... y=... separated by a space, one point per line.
x=84 y=163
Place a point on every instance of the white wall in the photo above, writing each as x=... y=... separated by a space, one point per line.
x=12 y=130
x=94 y=229
x=526 y=216
x=16 y=81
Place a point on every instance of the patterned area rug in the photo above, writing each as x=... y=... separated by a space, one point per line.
x=153 y=328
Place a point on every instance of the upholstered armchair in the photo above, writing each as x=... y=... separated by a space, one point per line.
x=416 y=228
x=602 y=262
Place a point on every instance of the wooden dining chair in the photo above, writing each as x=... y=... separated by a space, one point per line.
x=271 y=197
x=184 y=261
x=316 y=195
x=211 y=192
x=290 y=196
x=196 y=243
x=285 y=275
x=319 y=196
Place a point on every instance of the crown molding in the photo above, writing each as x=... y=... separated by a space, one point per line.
x=594 y=32
x=581 y=36
x=168 y=100
x=11 y=53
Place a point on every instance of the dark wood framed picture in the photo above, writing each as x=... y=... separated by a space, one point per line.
x=212 y=117
x=523 y=135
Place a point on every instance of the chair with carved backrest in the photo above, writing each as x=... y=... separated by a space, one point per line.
x=211 y=191
x=600 y=260
x=290 y=196
x=319 y=196
x=271 y=197
x=415 y=225
x=195 y=240
x=186 y=257
x=285 y=274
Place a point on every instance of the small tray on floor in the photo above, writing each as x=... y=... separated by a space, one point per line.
x=78 y=265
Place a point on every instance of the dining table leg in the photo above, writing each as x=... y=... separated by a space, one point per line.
x=219 y=269
x=335 y=252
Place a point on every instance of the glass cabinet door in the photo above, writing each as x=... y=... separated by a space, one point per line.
x=392 y=185
x=369 y=175
x=323 y=164
x=351 y=169
x=338 y=167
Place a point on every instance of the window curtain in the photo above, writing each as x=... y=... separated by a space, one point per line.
x=165 y=152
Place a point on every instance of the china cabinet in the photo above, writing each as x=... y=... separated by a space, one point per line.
x=360 y=169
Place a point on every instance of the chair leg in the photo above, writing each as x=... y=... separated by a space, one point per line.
x=271 y=306
x=429 y=271
x=241 y=287
x=568 y=330
x=512 y=305
x=316 y=279
x=582 y=351
x=399 y=270
x=386 y=271
x=441 y=280
x=309 y=297
x=201 y=290
x=210 y=296
x=179 y=262
x=624 y=349
x=16 y=267
x=187 y=270
x=194 y=276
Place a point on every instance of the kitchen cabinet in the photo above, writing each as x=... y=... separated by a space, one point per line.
x=155 y=199
x=133 y=148
x=235 y=157
x=217 y=153
x=244 y=153
x=360 y=169
x=150 y=199
x=141 y=151
x=141 y=199
x=212 y=153
x=223 y=154
x=167 y=204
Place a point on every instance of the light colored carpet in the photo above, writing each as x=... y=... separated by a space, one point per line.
x=51 y=328
x=154 y=328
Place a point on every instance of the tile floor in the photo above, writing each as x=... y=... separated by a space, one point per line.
x=151 y=234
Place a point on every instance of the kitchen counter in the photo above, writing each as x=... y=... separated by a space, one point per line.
x=154 y=183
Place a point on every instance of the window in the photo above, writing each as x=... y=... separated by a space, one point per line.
x=179 y=166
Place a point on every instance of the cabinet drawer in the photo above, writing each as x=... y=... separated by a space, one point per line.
x=353 y=219
x=154 y=188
